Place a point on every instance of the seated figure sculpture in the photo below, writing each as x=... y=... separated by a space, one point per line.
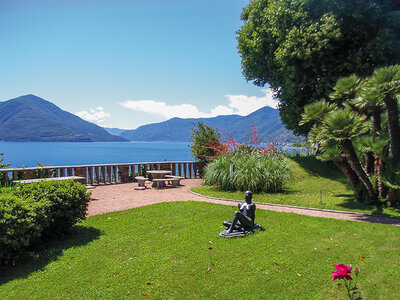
x=243 y=220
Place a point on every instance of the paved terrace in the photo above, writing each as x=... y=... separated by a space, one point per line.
x=117 y=197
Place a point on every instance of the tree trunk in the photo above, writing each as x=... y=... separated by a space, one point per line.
x=376 y=120
x=382 y=189
x=352 y=177
x=394 y=127
x=354 y=162
x=369 y=163
x=391 y=197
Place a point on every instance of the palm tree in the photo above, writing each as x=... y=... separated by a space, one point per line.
x=347 y=92
x=329 y=150
x=380 y=149
x=370 y=104
x=386 y=82
x=343 y=125
x=345 y=89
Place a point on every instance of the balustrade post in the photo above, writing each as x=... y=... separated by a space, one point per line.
x=5 y=177
x=165 y=166
x=123 y=173
x=90 y=171
x=109 y=174
x=173 y=169
x=115 y=174
x=190 y=165
x=29 y=174
x=200 y=167
x=179 y=169
x=81 y=172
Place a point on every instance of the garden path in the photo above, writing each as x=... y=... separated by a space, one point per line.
x=117 y=197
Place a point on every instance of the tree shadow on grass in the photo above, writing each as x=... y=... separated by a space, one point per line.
x=351 y=203
x=47 y=252
x=315 y=167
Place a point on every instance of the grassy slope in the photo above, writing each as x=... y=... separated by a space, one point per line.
x=311 y=177
x=169 y=251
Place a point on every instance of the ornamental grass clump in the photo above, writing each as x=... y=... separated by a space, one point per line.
x=237 y=166
x=258 y=172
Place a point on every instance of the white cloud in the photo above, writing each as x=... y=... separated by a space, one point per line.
x=95 y=115
x=244 y=105
x=238 y=104
x=161 y=108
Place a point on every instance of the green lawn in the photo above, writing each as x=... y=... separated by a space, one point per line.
x=172 y=250
x=314 y=184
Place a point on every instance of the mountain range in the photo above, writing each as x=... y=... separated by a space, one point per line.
x=266 y=120
x=30 y=118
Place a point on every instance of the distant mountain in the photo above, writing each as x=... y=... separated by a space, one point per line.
x=30 y=118
x=266 y=119
x=114 y=131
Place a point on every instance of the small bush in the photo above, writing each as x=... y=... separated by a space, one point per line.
x=259 y=172
x=32 y=212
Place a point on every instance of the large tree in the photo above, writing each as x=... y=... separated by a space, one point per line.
x=301 y=47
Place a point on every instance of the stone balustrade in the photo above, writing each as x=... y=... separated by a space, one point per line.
x=103 y=173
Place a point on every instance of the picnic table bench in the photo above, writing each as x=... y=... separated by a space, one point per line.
x=141 y=181
x=160 y=183
x=174 y=177
x=28 y=181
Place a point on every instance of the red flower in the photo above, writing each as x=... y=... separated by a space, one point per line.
x=342 y=271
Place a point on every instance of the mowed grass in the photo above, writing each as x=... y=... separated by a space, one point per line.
x=314 y=184
x=172 y=250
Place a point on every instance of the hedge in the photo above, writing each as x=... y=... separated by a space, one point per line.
x=32 y=213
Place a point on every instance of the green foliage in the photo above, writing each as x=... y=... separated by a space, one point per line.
x=343 y=124
x=32 y=212
x=44 y=173
x=301 y=48
x=204 y=138
x=3 y=165
x=259 y=172
x=358 y=130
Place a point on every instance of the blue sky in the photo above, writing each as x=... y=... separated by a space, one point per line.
x=125 y=63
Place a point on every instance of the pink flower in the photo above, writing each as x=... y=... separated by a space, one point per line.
x=342 y=271
x=356 y=270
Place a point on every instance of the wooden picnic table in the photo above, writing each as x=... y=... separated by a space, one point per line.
x=158 y=174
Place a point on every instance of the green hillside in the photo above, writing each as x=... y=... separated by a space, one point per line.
x=30 y=118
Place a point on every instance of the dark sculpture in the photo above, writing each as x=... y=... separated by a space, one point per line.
x=242 y=223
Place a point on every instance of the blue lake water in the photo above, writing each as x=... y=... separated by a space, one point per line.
x=58 y=154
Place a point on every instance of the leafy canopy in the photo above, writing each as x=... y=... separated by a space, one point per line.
x=203 y=139
x=301 y=47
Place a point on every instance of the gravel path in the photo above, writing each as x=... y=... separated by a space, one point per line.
x=117 y=197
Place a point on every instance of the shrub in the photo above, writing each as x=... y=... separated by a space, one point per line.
x=30 y=213
x=258 y=172
x=204 y=139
